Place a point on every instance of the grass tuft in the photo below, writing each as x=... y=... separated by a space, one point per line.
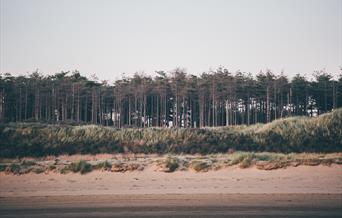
x=13 y=168
x=3 y=167
x=171 y=164
x=199 y=165
x=104 y=165
x=247 y=161
x=82 y=166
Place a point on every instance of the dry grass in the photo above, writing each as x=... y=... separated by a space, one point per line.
x=296 y=134
x=168 y=163
x=200 y=165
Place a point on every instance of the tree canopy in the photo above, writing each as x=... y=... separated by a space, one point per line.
x=169 y=99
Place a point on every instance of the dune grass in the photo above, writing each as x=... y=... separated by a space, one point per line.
x=169 y=163
x=295 y=134
x=103 y=165
x=200 y=165
x=80 y=166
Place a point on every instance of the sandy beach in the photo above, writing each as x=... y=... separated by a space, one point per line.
x=174 y=205
x=231 y=180
x=307 y=191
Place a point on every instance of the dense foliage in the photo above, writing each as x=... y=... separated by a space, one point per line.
x=173 y=99
x=295 y=134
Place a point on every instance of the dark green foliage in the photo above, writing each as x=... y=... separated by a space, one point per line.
x=169 y=99
x=297 y=134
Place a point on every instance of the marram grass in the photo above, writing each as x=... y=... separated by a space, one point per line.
x=295 y=134
x=165 y=163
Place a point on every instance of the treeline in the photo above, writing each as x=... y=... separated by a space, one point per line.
x=173 y=99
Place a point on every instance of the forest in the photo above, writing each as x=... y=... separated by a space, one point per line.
x=168 y=99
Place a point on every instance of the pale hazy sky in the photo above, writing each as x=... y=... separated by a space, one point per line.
x=112 y=37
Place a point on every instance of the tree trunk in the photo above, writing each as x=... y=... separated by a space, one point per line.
x=268 y=111
x=26 y=104
x=2 y=105
x=78 y=105
x=73 y=103
x=227 y=113
x=129 y=111
x=20 y=104
x=36 y=104
x=248 y=110
x=145 y=105
x=157 y=122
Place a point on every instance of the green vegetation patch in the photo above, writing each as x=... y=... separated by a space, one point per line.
x=296 y=134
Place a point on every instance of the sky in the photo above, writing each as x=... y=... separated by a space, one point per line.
x=121 y=37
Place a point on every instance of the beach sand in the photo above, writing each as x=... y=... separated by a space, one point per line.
x=307 y=191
